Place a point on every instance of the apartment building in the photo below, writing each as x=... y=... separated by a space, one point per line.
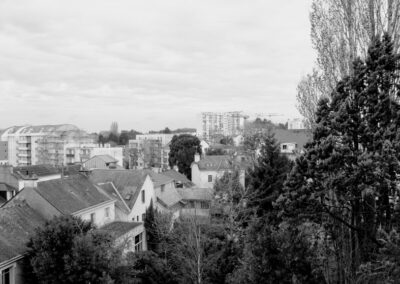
x=214 y=125
x=44 y=144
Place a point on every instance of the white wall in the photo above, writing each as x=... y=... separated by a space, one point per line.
x=140 y=207
x=100 y=214
x=200 y=177
x=127 y=241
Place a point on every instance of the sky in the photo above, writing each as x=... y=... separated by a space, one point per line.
x=150 y=64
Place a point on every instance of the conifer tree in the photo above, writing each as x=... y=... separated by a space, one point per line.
x=348 y=173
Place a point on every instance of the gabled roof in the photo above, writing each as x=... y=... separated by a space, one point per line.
x=36 y=170
x=71 y=194
x=215 y=163
x=195 y=193
x=17 y=223
x=113 y=193
x=128 y=182
x=159 y=179
x=178 y=177
x=300 y=137
x=105 y=158
x=119 y=228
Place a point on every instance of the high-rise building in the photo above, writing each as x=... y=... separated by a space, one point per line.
x=217 y=124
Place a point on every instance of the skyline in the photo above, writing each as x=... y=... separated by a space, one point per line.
x=149 y=65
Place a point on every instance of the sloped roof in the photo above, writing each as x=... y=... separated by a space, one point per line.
x=169 y=196
x=215 y=163
x=105 y=158
x=159 y=179
x=300 y=137
x=17 y=223
x=128 y=182
x=71 y=194
x=6 y=187
x=195 y=193
x=119 y=228
x=108 y=188
x=38 y=170
x=177 y=176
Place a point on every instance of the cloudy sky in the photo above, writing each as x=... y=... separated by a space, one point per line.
x=149 y=64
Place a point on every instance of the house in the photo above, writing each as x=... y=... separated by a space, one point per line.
x=292 y=142
x=133 y=190
x=101 y=162
x=197 y=201
x=207 y=169
x=129 y=236
x=180 y=179
x=74 y=195
x=17 y=222
x=14 y=179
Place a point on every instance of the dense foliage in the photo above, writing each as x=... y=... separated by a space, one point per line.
x=182 y=150
x=69 y=250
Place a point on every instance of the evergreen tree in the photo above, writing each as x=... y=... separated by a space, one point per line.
x=348 y=173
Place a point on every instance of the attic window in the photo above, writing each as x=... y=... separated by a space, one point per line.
x=128 y=196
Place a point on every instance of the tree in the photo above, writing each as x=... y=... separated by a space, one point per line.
x=114 y=128
x=150 y=226
x=341 y=31
x=227 y=140
x=266 y=178
x=182 y=151
x=68 y=250
x=349 y=171
x=215 y=152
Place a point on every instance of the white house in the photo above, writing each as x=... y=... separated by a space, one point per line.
x=133 y=191
x=207 y=169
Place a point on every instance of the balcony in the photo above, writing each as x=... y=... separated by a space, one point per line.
x=24 y=141
x=70 y=155
x=23 y=154
x=24 y=148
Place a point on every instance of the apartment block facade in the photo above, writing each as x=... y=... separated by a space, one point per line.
x=214 y=125
x=45 y=144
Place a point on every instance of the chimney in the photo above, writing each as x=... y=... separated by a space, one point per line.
x=196 y=157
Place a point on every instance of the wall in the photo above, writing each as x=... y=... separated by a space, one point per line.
x=100 y=214
x=200 y=177
x=139 y=207
x=127 y=241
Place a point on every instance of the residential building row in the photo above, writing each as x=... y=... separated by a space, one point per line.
x=50 y=144
x=114 y=200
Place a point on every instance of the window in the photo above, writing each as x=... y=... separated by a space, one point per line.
x=137 y=218
x=107 y=212
x=143 y=217
x=93 y=218
x=209 y=178
x=191 y=204
x=162 y=187
x=205 y=205
x=7 y=276
x=284 y=147
x=139 y=242
x=143 y=196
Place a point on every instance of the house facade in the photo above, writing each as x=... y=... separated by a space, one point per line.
x=207 y=169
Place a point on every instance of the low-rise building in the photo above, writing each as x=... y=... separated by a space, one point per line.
x=129 y=236
x=101 y=162
x=207 y=169
x=197 y=201
x=17 y=222
x=74 y=195
x=292 y=142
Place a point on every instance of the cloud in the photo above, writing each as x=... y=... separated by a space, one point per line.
x=149 y=64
